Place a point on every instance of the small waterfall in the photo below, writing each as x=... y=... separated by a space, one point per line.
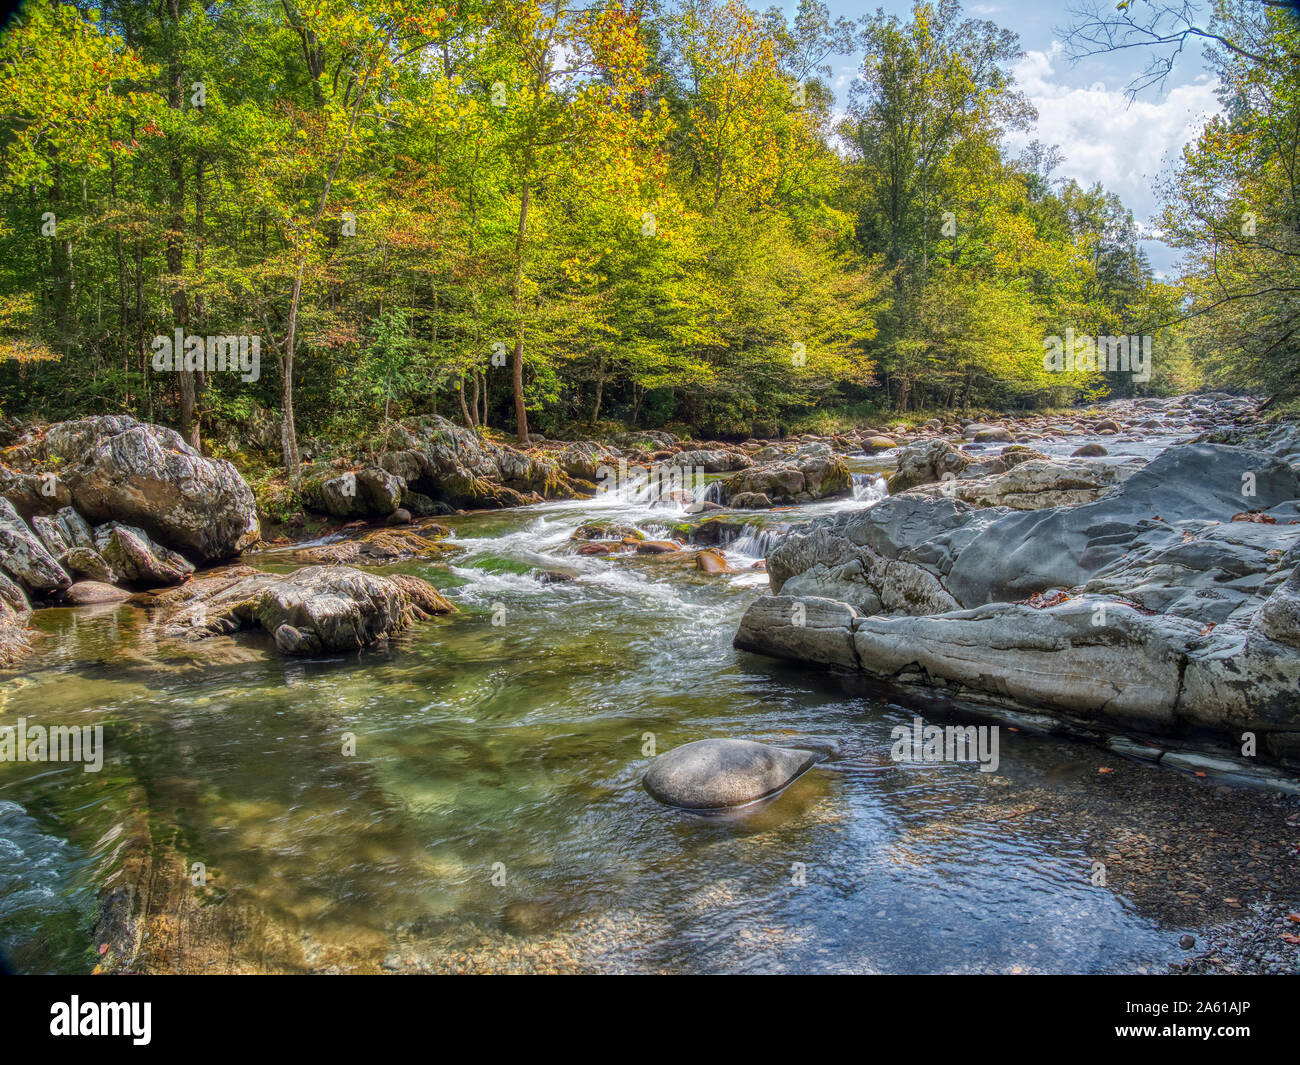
x=756 y=542
x=869 y=487
x=709 y=493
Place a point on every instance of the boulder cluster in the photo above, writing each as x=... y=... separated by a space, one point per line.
x=1160 y=599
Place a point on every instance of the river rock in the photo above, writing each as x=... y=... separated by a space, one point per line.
x=315 y=610
x=367 y=493
x=447 y=462
x=585 y=459
x=15 y=641
x=657 y=547
x=714 y=461
x=723 y=774
x=1035 y=484
x=24 y=558
x=711 y=561
x=1148 y=607
x=117 y=469
x=135 y=558
x=812 y=473
x=1089 y=451
x=382 y=545
x=88 y=563
x=87 y=593
x=925 y=463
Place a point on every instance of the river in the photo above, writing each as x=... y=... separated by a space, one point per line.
x=492 y=818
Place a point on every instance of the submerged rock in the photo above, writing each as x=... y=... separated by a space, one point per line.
x=383 y=545
x=723 y=774
x=712 y=561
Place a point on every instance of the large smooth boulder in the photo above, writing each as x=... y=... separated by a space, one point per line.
x=118 y=469
x=712 y=775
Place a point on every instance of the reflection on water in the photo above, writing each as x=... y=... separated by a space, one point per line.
x=493 y=805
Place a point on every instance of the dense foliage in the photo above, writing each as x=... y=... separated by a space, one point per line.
x=529 y=215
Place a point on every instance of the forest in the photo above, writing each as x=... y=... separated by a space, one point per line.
x=540 y=218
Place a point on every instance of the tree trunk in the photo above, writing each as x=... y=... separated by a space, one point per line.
x=473 y=400
x=464 y=410
x=600 y=393
x=517 y=292
x=176 y=227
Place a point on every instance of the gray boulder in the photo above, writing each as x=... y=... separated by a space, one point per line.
x=713 y=461
x=801 y=478
x=24 y=558
x=15 y=640
x=365 y=493
x=1034 y=484
x=1148 y=607
x=712 y=775
x=454 y=465
x=133 y=557
x=118 y=469
x=925 y=463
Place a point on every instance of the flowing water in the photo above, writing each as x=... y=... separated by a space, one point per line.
x=492 y=814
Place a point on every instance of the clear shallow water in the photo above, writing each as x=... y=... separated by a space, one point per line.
x=509 y=740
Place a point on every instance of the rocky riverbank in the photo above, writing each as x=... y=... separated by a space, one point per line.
x=1161 y=601
x=102 y=509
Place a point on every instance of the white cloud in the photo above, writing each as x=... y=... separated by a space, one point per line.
x=1105 y=138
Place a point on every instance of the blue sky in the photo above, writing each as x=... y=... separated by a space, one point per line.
x=1082 y=108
